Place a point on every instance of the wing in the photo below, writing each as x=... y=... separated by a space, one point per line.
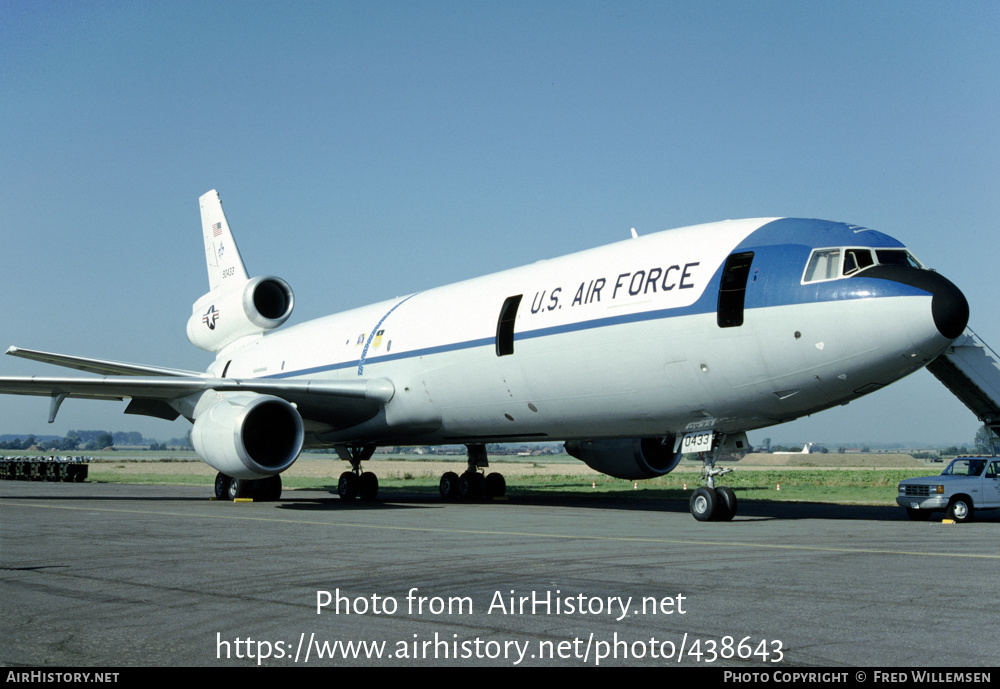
x=337 y=404
x=334 y=404
x=102 y=366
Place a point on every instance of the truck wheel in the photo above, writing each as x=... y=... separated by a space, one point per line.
x=959 y=509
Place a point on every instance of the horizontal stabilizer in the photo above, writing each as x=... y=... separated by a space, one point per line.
x=971 y=370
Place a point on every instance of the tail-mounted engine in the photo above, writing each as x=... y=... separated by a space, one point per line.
x=250 y=436
x=221 y=317
x=628 y=459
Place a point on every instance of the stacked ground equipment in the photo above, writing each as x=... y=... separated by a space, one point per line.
x=67 y=469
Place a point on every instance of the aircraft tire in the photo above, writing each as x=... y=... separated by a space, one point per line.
x=367 y=486
x=222 y=486
x=240 y=488
x=495 y=485
x=268 y=489
x=449 y=485
x=470 y=485
x=725 y=510
x=703 y=504
x=347 y=486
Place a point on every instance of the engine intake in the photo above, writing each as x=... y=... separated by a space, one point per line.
x=628 y=459
x=220 y=318
x=249 y=436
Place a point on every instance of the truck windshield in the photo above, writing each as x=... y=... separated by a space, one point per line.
x=964 y=467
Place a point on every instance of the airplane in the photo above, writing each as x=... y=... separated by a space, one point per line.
x=632 y=354
x=806 y=449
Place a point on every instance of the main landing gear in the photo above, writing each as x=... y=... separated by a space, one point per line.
x=260 y=490
x=473 y=484
x=709 y=503
x=356 y=483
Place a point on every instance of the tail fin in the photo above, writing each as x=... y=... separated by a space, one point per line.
x=225 y=266
x=235 y=307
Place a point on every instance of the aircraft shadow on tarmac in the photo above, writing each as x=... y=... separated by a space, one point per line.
x=748 y=510
x=105 y=498
x=408 y=499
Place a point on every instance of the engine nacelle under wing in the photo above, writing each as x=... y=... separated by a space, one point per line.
x=248 y=435
x=220 y=318
x=629 y=459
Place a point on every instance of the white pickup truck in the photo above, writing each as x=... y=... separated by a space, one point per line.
x=966 y=485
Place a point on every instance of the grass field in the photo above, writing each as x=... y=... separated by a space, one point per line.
x=561 y=475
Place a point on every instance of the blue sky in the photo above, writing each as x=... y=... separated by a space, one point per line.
x=365 y=150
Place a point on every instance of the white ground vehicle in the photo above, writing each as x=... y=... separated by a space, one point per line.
x=966 y=485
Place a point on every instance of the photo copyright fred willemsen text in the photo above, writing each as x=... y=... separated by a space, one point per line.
x=437 y=646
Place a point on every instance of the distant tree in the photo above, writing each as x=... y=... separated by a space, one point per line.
x=101 y=441
x=128 y=438
x=15 y=444
x=88 y=437
x=180 y=443
x=66 y=444
x=985 y=439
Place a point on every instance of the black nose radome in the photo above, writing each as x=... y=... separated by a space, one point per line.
x=948 y=305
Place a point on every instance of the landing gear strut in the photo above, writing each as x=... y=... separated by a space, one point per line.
x=355 y=483
x=473 y=484
x=709 y=503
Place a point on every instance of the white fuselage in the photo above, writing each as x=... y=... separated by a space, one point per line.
x=620 y=341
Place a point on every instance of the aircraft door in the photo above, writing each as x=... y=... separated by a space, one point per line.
x=505 y=325
x=733 y=288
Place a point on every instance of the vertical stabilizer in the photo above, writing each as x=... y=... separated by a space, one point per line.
x=225 y=266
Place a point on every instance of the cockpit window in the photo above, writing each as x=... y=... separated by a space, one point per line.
x=836 y=262
x=824 y=264
x=857 y=259
x=897 y=257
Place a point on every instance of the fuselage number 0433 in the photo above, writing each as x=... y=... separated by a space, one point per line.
x=697 y=442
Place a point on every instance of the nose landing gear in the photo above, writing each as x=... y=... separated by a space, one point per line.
x=709 y=503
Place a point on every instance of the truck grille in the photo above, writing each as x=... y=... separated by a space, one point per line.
x=917 y=491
